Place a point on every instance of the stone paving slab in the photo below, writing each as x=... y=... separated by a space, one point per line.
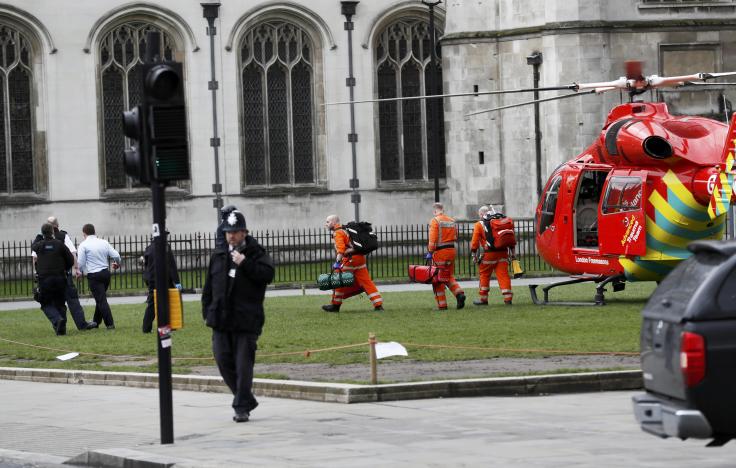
x=350 y=393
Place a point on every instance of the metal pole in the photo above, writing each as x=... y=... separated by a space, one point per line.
x=433 y=103
x=535 y=60
x=158 y=201
x=348 y=9
x=372 y=358
x=211 y=12
x=158 y=191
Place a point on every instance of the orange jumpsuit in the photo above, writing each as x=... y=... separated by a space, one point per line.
x=492 y=260
x=442 y=237
x=356 y=265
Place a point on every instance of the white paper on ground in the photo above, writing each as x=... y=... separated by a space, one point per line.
x=391 y=348
x=66 y=357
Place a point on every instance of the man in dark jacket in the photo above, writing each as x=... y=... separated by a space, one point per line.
x=149 y=277
x=232 y=305
x=53 y=259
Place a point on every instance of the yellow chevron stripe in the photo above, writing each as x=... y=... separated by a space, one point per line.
x=672 y=215
x=652 y=254
x=674 y=184
x=636 y=271
x=664 y=236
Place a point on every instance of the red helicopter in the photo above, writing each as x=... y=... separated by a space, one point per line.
x=628 y=205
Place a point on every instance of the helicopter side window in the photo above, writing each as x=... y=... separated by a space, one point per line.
x=623 y=194
x=547 y=215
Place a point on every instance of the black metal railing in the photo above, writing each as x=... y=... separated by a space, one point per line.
x=300 y=256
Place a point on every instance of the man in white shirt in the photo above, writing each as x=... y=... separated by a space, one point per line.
x=71 y=295
x=94 y=254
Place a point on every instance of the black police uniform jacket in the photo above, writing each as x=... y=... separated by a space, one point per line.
x=236 y=304
x=149 y=266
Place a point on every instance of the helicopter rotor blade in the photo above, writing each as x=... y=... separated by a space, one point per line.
x=438 y=96
x=621 y=83
x=697 y=83
x=555 y=98
x=655 y=81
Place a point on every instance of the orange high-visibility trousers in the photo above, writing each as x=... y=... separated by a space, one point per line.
x=363 y=283
x=498 y=262
x=445 y=259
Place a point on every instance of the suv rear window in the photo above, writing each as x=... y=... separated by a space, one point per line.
x=678 y=287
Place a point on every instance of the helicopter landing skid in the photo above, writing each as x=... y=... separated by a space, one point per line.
x=598 y=299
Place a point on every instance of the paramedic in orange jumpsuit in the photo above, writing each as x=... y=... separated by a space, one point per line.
x=442 y=237
x=489 y=261
x=354 y=263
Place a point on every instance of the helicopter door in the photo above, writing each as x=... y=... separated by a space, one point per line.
x=622 y=223
x=587 y=201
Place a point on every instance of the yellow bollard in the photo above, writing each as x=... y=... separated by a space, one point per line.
x=374 y=367
x=176 y=308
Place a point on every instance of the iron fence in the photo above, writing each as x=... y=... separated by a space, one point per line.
x=300 y=256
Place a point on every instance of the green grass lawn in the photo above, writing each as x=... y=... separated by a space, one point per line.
x=297 y=324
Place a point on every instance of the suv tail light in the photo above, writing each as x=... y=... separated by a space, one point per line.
x=692 y=358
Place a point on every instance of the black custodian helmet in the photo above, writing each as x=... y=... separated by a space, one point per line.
x=226 y=210
x=235 y=221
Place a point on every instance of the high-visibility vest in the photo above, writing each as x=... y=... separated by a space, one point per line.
x=442 y=233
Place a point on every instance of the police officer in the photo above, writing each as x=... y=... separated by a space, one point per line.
x=232 y=305
x=53 y=259
x=225 y=211
x=72 y=297
x=149 y=277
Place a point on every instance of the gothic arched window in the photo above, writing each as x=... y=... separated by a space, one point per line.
x=277 y=85
x=403 y=67
x=17 y=165
x=122 y=51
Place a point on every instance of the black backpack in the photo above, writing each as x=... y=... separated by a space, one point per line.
x=362 y=237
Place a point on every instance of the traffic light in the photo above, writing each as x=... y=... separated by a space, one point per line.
x=158 y=126
x=166 y=120
x=137 y=163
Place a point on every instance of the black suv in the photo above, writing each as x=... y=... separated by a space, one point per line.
x=688 y=349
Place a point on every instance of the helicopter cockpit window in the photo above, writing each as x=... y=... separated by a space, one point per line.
x=547 y=215
x=623 y=194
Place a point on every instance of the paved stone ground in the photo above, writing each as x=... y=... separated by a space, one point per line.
x=581 y=430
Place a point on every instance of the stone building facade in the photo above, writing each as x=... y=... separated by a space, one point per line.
x=284 y=159
x=486 y=44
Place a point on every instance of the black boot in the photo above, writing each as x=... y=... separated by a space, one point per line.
x=480 y=303
x=460 y=301
x=60 y=327
x=331 y=308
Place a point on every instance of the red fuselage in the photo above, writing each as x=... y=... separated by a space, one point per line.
x=631 y=202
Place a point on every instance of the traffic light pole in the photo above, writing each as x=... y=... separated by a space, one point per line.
x=166 y=411
x=158 y=201
x=158 y=126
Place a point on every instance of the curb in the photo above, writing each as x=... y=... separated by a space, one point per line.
x=351 y=393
